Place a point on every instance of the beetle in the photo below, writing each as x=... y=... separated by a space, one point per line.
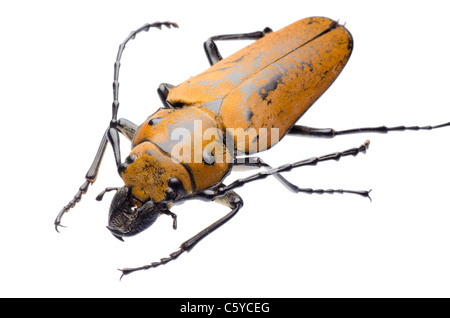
x=213 y=122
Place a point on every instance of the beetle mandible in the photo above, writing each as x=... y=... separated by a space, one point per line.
x=245 y=103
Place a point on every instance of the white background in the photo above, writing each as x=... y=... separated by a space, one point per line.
x=56 y=73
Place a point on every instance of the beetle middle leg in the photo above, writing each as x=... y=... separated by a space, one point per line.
x=256 y=162
x=230 y=199
x=212 y=52
x=211 y=194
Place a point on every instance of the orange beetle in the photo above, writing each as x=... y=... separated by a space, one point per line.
x=241 y=105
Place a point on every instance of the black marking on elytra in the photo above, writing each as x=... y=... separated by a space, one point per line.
x=248 y=114
x=271 y=86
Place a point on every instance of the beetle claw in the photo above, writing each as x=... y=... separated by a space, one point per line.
x=59 y=217
x=60 y=225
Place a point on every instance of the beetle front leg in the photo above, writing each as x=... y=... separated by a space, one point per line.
x=128 y=129
x=212 y=52
x=231 y=200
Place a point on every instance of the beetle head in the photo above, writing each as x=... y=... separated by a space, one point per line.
x=127 y=219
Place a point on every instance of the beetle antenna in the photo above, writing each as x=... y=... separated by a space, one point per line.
x=145 y=27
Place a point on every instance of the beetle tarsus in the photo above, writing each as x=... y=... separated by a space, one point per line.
x=163 y=261
x=82 y=190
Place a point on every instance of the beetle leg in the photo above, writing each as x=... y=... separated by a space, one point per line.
x=128 y=129
x=212 y=52
x=211 y=194
x=298 y=130
x=256 y=162
x=163 y=90
x=231 y=200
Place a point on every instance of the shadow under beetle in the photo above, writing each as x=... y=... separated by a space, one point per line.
x=264 y=88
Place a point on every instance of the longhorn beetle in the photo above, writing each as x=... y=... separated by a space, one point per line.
x=210 y=123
